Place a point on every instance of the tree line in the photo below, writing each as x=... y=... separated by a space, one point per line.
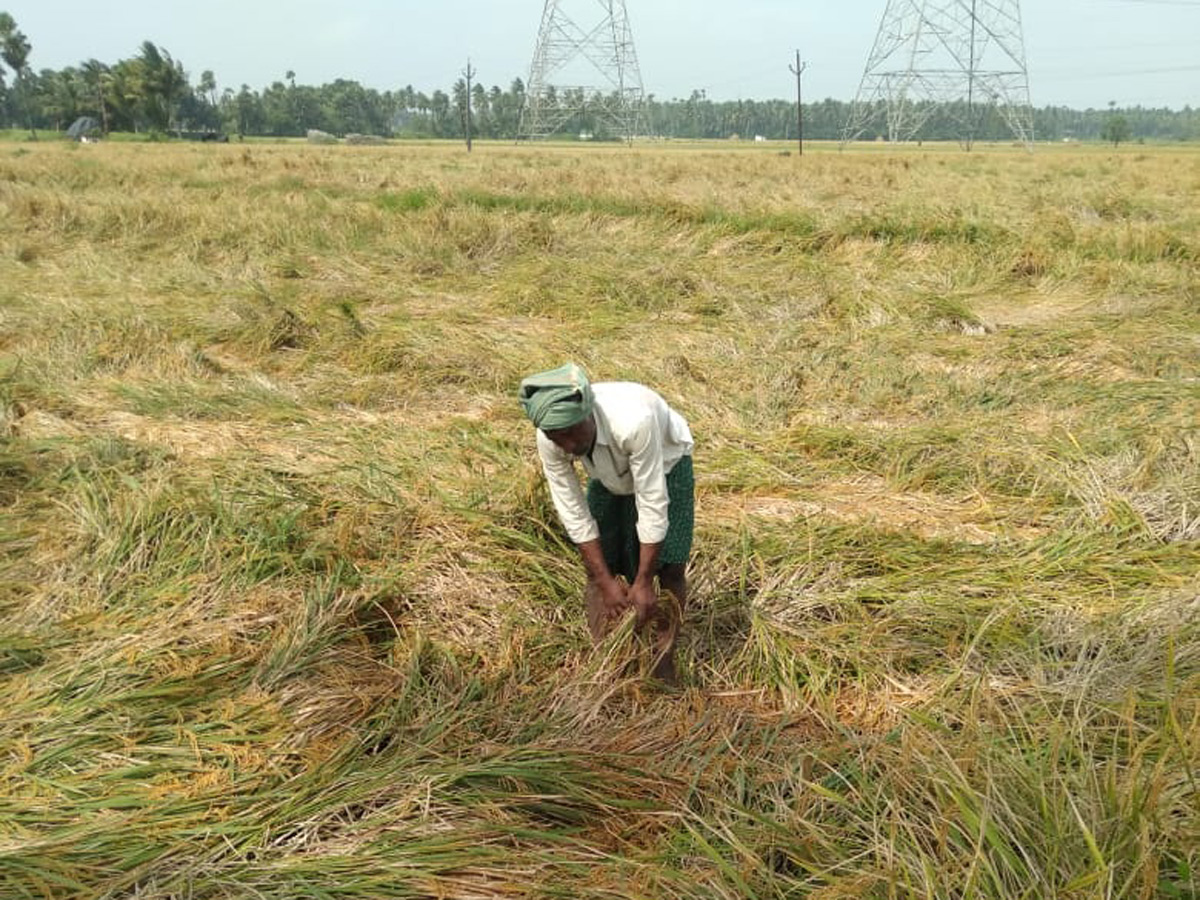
x=152 y=92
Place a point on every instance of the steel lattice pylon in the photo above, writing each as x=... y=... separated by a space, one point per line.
x=964 y=57
x=589 y=38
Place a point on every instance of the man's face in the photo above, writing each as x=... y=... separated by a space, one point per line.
x=576 y=440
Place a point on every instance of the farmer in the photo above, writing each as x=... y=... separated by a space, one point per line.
x=636 y=521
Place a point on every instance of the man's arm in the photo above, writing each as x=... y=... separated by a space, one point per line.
x=581 y=528
x=613 y=591
x=650 y=493
x=566 y=492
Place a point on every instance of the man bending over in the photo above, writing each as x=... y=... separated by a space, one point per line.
x=636 y=520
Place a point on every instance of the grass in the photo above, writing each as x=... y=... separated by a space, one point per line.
x=285 y=610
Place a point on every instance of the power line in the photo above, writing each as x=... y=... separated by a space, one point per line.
x=1195 y=3
x=741 y=79
x=1116 y=73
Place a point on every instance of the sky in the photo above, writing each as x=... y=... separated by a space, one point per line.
x=1080 y=53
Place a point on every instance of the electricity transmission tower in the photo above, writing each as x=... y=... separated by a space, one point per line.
x=585 y=71
x=962 y=58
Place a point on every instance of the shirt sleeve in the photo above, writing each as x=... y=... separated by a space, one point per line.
x=566 y=492
x=649 y=481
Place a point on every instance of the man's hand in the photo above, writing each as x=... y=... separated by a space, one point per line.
x=614 y=594
x=606 y=601
x=643 y=598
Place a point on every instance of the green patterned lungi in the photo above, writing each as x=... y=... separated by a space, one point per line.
x=616 y=515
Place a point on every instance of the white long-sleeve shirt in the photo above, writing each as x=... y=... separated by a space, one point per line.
x=639 y=438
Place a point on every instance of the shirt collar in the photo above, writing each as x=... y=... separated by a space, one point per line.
x=603 y=435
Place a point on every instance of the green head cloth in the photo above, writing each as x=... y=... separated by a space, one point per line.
x=557 y=399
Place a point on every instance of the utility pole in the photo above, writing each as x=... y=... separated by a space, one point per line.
x=468 y=75
x=798 y=70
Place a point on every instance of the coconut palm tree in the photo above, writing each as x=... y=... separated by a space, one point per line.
x=64 y=96
x=14 y=50
x=164 y=84
x=95 y=75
